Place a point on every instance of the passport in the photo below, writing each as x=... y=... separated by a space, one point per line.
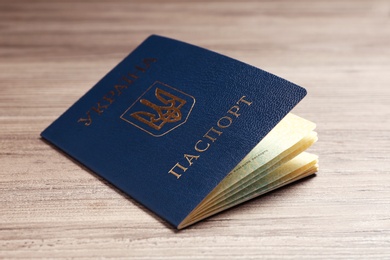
x=188 y=132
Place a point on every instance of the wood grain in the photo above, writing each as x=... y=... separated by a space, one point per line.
x=51 y=52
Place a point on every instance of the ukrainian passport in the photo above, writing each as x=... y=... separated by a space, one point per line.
x=188 y=132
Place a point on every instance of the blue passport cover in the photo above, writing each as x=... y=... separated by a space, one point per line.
x=170 y=121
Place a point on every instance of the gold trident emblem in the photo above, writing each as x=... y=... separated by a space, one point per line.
x=170 y=113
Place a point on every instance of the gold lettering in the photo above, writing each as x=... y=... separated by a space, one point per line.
x=171 y=171
x=219 y=124
x=99 y=108
x=133 y=76
x=109 y=99
x=212 y=138
x=147 y=63
x=127 y=80
x=201 y=150
x=140 y=68
x=233 y=110
x=86 y=121
x=212 y=134
x=118 y=88
x=190 y=157
x=243 y=101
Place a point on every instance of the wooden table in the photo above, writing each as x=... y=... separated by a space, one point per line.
x=51 y=52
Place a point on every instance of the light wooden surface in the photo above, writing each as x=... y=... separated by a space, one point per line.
x=51 y=52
